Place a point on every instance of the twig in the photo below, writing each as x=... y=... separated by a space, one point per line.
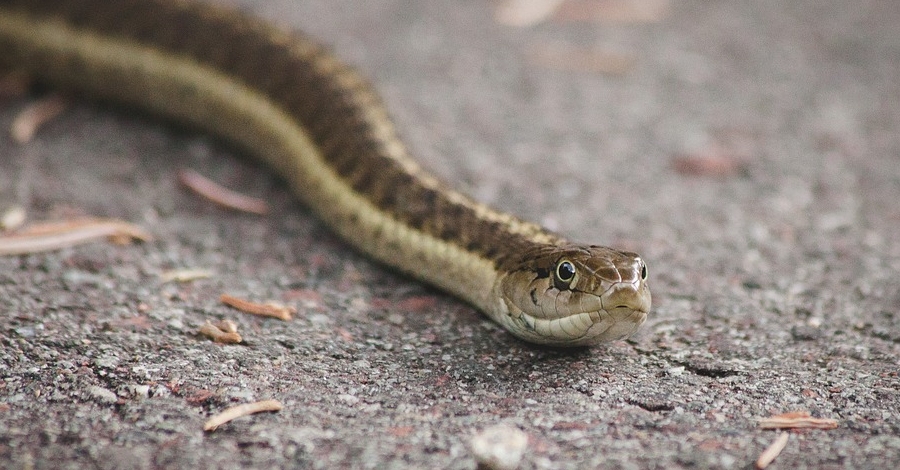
x=49 y=236
x=241 y=410
x=268 y=309
x=219 y=335
x=221 y=195
x=768 y=456
x=796 y=420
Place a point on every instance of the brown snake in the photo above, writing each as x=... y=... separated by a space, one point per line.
x=285 y=99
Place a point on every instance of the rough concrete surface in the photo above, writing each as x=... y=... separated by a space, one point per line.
x=748 y=150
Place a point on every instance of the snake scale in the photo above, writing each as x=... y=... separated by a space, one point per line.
x=282 y=97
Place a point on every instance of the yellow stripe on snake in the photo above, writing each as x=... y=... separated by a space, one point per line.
x=285 y=99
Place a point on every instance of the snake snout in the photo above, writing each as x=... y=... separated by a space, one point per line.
x=628 y=296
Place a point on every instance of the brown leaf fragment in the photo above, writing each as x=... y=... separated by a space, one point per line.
x=198 y=396
x=241 y=410
x=796 y=420
x=35 y=115
x=50 y=236
x=221 y=195
x=216 y=334
x=268 y=309
x=768 y=456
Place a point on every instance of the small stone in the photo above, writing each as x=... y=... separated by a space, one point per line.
x=107 y=362
x=25 y=331
x=103 y=395
x=348 y=399
x=499 y=447
x=142 y=391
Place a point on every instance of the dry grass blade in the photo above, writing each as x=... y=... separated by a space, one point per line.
x=268 y=309
x=768 y=456
x=220 y=195
x=796 y=420
x=38 y=113
x=50 y=236
x=241 y=410
x=185 y=275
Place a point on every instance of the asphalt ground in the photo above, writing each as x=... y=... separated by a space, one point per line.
x=748 y=150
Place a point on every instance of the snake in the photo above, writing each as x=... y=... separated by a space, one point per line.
x=287 y=100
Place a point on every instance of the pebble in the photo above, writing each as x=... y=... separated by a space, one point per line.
x=499 y=447
x=103 y=395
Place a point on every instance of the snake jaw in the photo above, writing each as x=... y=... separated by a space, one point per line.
x=580 y=329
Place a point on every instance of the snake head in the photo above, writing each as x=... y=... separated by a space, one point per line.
x=573 y=295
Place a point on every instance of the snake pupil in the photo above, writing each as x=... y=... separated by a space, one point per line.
x=643 y=272
x=565 y=272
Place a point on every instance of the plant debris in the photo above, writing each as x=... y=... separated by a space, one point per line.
x=268 y=309
x=771 y=453
x=241 y=410
x=35 y=115
x=51 y=236
x=796 y=420
x=224 y=332
x=221 y=195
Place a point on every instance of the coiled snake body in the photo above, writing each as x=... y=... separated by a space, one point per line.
x=288 y=101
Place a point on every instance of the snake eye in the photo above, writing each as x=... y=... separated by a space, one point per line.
x=564 y=274
x=643 y=271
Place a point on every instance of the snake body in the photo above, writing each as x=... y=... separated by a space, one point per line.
x=287 y=100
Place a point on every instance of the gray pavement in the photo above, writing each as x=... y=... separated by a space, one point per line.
x=748 y=150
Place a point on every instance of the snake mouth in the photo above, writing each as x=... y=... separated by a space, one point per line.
x=620 y=323
x=585 y=328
